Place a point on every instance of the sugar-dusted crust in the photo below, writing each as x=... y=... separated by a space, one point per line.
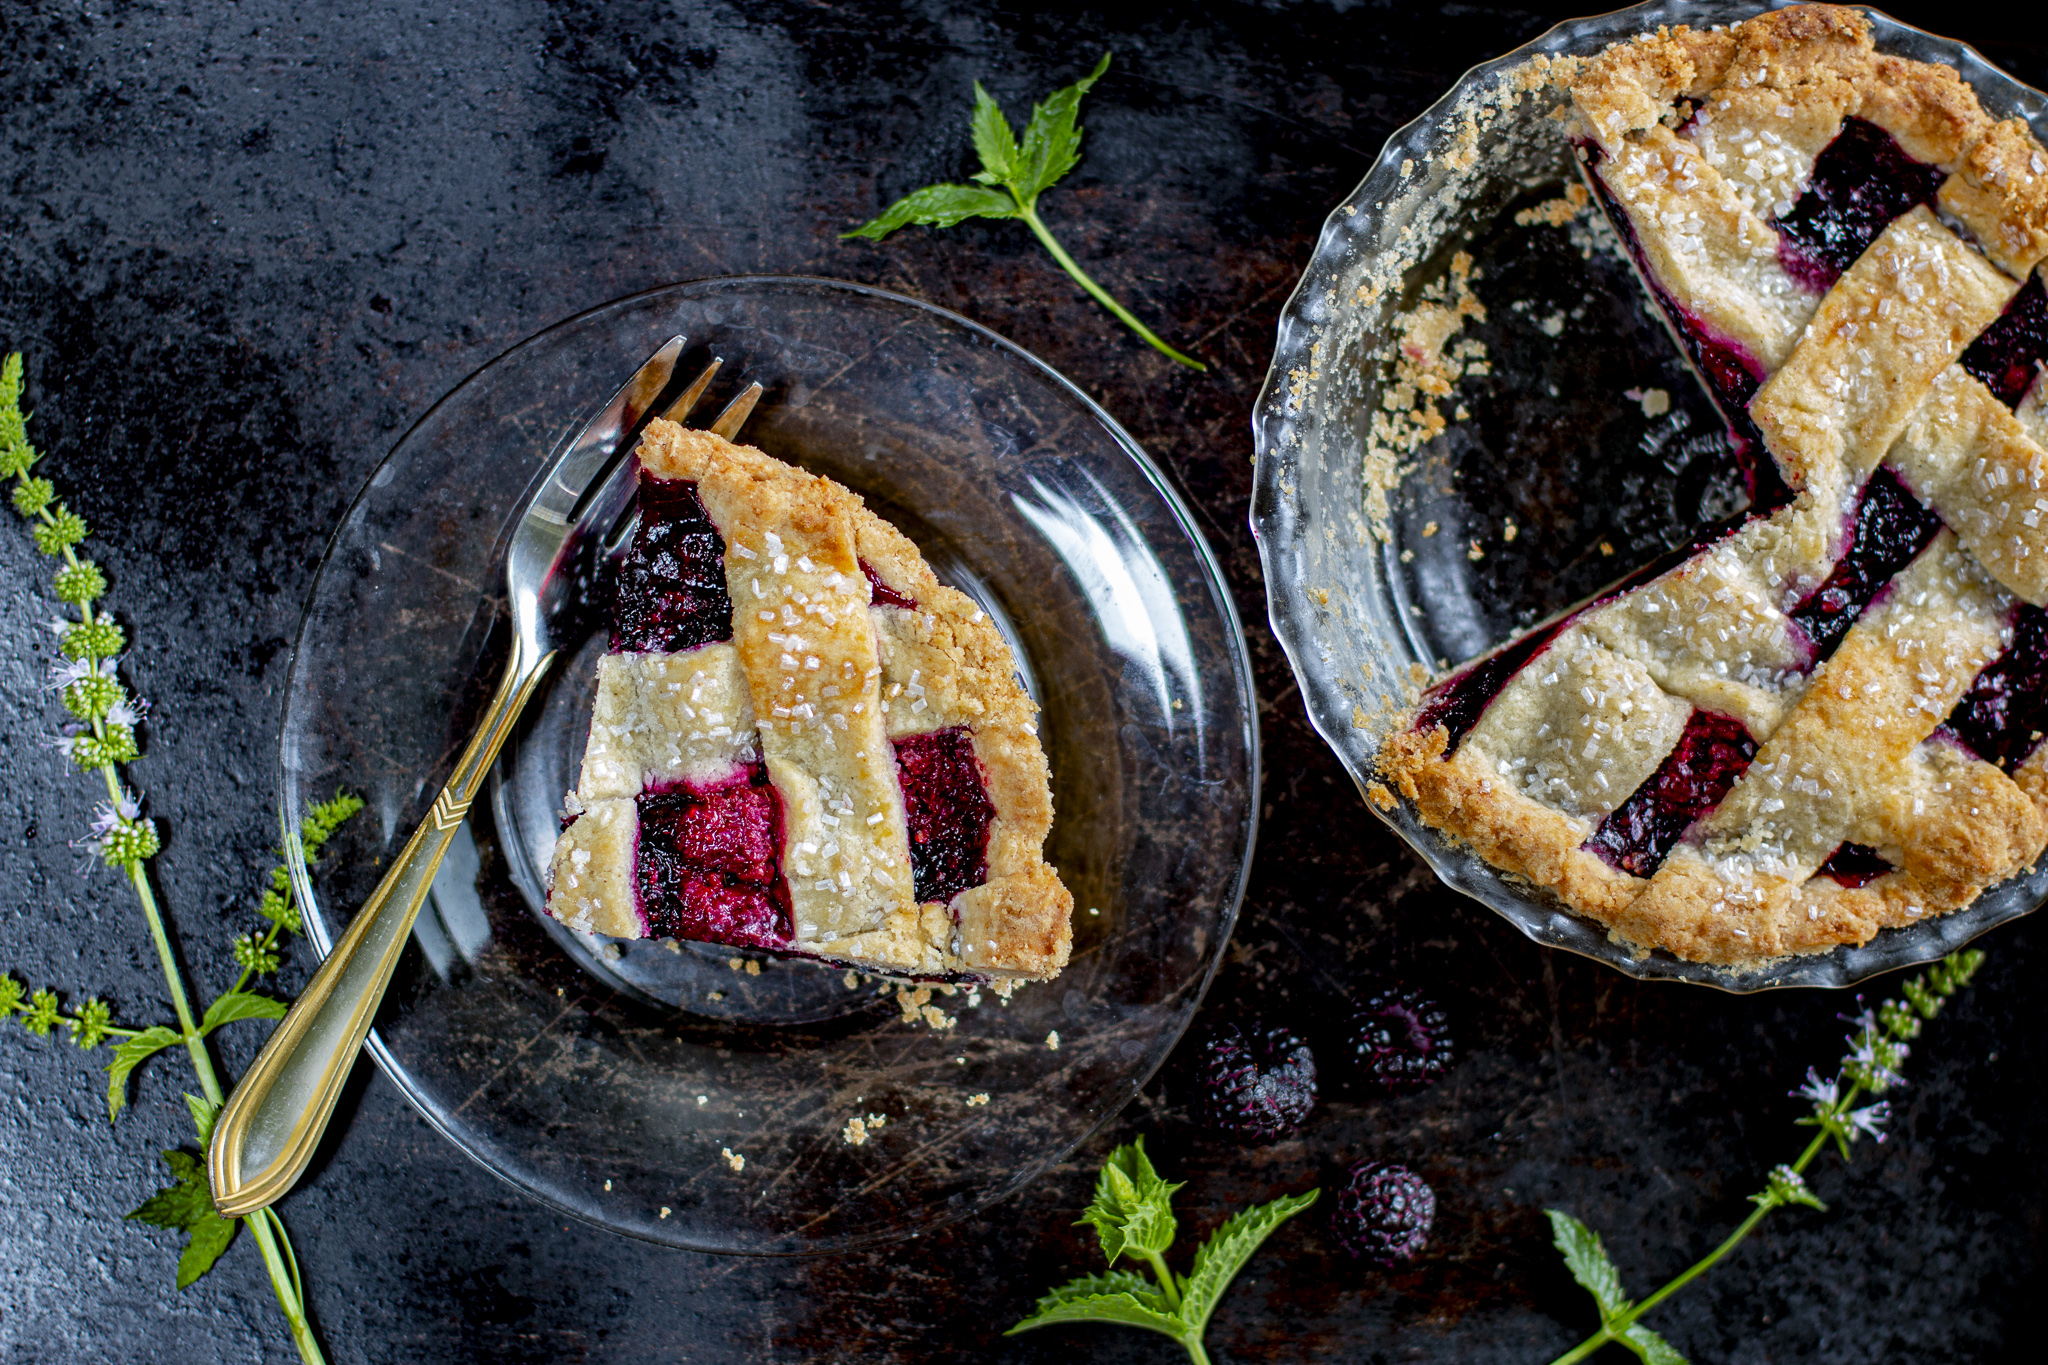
x=829 y=679
x=1704 y=142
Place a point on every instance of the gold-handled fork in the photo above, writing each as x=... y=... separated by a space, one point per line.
x=272 y=1122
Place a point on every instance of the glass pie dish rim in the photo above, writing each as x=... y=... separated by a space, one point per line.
x=1280 y=526
x=1239 y=680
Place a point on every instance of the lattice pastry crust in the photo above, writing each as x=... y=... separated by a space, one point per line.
x=1768 y=750
x=827 y=673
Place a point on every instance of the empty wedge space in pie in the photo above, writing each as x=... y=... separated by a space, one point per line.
x=1828 y=720
x=803 y=742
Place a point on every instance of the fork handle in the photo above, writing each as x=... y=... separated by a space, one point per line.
x=273 y=1121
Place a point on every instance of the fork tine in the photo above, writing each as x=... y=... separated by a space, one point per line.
x=729 y=422
x=680 y=409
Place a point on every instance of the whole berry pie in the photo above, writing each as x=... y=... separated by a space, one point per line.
x=803 y=742
x=1827 y=719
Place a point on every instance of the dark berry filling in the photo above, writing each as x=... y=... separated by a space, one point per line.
x=1712 y=752
x=1861 y=181
x=670 y=593
x=1460 y=700
x=2008 y=354
x=1401 y=1040
x=881 y=593
x=2002 y=717
x=1383 y=1212
x=709 y=863
x=948 y=811
x=1257 y=1082
x=1892 y=526
x=1854 y=865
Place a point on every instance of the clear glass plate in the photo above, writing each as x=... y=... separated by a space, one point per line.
x=610 y=1078
x=1594 y=485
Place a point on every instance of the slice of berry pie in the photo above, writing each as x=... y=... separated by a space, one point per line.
x=803 y=742
x=1827 y=719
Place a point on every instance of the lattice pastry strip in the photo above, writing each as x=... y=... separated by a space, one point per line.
x=1792 y=703
x=804 y=742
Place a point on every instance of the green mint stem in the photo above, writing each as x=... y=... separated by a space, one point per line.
x=1165 y=1277
x=1029 y=212
x=1613 y=1330
x=283 y=1279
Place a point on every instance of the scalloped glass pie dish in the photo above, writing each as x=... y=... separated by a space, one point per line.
x=706 y=1097
x=1585 y=451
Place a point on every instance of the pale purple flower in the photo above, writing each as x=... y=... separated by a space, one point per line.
x=1824 y=1094
x=1872 y=1118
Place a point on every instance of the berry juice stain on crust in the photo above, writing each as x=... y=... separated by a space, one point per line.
x=1462 y=699
x=2007 y=355
x=1892 y=526
x=1854 y=865
x=1712 y=752
x=1731 y=374
x=949 y=813
x=2001 y=718
x=1861 y=181
x=709 y=863
x=670 y=591
x=881 y=593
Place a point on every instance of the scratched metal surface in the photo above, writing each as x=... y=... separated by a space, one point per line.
x=246 y=247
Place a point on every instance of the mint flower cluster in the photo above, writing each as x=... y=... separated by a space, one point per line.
x=99 y=738
x=101 y=733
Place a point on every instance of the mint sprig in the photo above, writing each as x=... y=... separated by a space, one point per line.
x=100 y=739
x=1013 y=174
x=1132 y=1214
x=1877 y=1049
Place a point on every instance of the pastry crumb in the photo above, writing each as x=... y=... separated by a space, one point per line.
x=851 y=980
x=1559 y=211
x=1606 y=548
x=1552 y=325
x=1510 y=531
x=753 y=967
x=715 y=995
x=1407 y=556
x=733 y=1159
x=735 y=963
x=1429 y=530
x=1655 y=402
x=858 y=1130
x=1052 y=1040
x=664 y=1210
x=607 y=1185
x=703 y=1099
x=1377 y=793
x=976 y=1101
x=1474 y=552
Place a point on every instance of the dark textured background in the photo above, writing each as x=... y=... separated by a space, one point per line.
x=244 y=245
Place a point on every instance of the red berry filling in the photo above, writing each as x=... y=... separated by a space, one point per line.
x=709 y=863
x=1861 y=181
x=949 y=812
x=1712 y=752
x=2007 y=355
x=1891 y=527
x=670 y=593
x=881 y=593
x=1854 y=865
x=2002 y=717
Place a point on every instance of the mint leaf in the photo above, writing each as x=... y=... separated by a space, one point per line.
x=1052 y=140
x=1220 y=1258
x=993 y=140
x=130 y=1054
x=204 y=1112
x=1133 y=1208
x=236 y=1005
x=187 y=1206
x=1118 y=1297
x=1588 y=1262
x=1651 y=1348
x=937 y=206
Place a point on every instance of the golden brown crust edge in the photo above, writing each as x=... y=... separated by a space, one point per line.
x=1022 y=917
